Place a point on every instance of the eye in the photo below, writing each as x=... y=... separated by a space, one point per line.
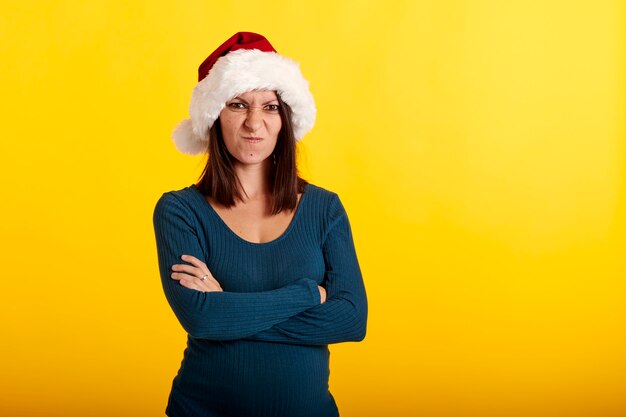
x=272 y=108
x=235 y=105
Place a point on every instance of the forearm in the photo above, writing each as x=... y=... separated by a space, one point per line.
x=218 y=315
x=338 y=320
x=230 y=315
x=343 y=317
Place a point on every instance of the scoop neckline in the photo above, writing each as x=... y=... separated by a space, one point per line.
x=231 y=232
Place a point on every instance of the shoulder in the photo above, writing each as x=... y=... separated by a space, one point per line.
x=183 y=202
x=187 y=195
x=328 y=202
x=321 y=194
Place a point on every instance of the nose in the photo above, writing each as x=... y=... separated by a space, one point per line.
x=254 y=119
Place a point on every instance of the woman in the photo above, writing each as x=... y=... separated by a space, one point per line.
x=258 y=265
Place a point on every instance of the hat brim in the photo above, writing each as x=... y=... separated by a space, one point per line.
x=236 y=73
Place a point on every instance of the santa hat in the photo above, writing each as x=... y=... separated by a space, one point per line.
x=245 y=62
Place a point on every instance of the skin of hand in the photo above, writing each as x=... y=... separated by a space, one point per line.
x=190 y=276
x=322 y=294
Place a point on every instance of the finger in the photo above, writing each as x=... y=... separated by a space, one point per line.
x=194 y=261
x=191 y=284
x=180 y=276
x=197 y=263
x=196 y=283
x=206 y=284
x=200 y=285
x=199 y=269
x=191 y=270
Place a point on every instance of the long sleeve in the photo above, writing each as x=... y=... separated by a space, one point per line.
x=343 y=317
x=218 y=315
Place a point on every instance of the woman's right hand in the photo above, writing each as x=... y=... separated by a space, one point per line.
x=322 y=294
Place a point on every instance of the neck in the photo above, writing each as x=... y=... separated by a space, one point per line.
x=253 y=179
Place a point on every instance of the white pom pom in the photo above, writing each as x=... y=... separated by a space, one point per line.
x=188 y=142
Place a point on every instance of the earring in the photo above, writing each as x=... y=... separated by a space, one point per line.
x=274 y=158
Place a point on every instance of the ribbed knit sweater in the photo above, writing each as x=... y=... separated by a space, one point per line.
x=260 y=347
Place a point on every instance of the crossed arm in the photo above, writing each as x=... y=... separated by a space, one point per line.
x=297 y=313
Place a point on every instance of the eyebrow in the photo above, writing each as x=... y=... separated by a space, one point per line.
x=267 y=102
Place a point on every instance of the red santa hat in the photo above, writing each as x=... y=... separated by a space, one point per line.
x=245 y=62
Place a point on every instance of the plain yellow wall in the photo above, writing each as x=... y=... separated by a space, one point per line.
x=478 y=147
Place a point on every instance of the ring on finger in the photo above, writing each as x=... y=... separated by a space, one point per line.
x=204 y=277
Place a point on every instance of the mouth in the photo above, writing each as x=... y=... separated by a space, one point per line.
x=253 y=139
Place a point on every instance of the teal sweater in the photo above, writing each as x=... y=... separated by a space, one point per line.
x=260 y=347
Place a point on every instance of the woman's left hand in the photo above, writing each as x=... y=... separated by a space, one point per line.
x=195 y=276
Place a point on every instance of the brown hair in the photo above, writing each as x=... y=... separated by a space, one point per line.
x=219 y=181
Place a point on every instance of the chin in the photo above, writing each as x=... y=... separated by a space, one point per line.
x=249 y=160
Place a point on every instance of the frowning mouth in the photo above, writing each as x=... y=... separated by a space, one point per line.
x=253 y=139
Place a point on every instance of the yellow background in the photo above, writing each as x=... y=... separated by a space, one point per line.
x=477 y=145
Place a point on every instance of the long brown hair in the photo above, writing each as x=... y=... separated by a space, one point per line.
x=219 y=181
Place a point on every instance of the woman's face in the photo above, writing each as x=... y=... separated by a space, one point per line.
x=250 y=124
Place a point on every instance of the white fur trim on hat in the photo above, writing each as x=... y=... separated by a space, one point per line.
x=236 y=73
